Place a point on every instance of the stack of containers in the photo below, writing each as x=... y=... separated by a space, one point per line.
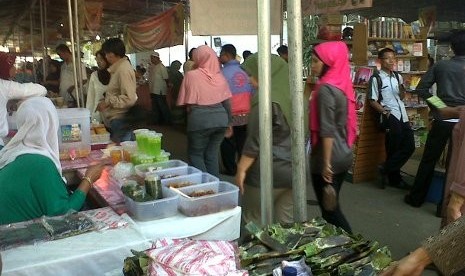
x=148 y=147
x=178 y=180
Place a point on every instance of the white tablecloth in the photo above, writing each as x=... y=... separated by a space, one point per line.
x=94 y=253
x=103 y=253
x=219 y=226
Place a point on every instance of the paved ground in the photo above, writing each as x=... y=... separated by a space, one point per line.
x=375 y=213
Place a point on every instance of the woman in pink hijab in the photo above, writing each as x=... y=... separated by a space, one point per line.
x=206 y=93
x=332 y=127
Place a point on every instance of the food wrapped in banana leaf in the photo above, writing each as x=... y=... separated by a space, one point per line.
x=329 y=250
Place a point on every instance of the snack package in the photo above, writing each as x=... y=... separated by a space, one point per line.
x=189 y=257
x=68 y=225
x=24 y=233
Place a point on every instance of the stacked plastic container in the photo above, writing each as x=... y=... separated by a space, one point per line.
x=185 y=180
x=149 y=148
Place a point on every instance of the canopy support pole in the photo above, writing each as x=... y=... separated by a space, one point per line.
x=79 y=89
x=264 y=99
x=294 y=26
x=73 y=52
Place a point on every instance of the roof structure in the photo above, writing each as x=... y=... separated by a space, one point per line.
x=19 y=17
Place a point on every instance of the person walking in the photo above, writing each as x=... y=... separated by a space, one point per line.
x=98 y=84
x=67 y=89
x=333 y=125
x=158 y=84
x=206 y=94
x=386 y=92
x=248 y=167
x=449 y=77
x=241 y=90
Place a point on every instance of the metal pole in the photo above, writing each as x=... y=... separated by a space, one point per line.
x=71 y=36
x=264 y=99
x=281 y=30
x=186 y=32
x=78 y=65
x=32 y=47
x=294 y=26
x=45 y=27
x=42 y=34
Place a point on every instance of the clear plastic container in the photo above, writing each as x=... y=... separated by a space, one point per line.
x=191 y=179
x=163 y=156
x=74 y=132
x=226 y=197
x=176 y=172
x=155 y=209
x=142 y=169
x=154 y=143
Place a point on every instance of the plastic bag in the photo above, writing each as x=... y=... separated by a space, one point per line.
x=329 y=198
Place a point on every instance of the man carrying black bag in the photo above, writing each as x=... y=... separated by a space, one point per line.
x=386 y=92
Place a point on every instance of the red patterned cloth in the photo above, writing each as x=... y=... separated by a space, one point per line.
x=190 y=257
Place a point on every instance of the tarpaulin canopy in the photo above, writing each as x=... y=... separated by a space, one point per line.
x=164 y=30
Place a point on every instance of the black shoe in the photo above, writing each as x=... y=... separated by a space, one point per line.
x=409 y=201
x=383 y=177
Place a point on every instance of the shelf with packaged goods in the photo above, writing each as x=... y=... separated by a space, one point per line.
x=361 y=44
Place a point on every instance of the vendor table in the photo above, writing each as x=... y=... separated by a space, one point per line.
x=103 y=253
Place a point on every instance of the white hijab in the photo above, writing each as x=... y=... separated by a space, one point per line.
x=37 y=121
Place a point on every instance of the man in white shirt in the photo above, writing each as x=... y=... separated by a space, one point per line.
x=67 y=89
x=158 y=85
x=387 y=99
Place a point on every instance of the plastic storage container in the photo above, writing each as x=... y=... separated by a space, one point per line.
x=191 y=179
x=176 y=172
x=226 y=197
x=74 y=132
x=155 y=209
x=142 y=169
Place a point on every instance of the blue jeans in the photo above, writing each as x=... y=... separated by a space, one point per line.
x=203 y=147
x=120 y=131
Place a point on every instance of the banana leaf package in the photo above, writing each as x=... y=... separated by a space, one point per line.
x=68 y=225
x=25 y=233
x=327 y=250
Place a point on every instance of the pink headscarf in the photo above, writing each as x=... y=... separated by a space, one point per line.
x=204 y=85
x=336 y=56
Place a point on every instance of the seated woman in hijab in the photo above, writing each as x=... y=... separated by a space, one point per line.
x=30 y=172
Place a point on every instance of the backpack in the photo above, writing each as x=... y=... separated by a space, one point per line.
x=380 y=83
x=381 y=119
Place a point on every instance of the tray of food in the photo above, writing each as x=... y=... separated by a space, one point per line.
x=176 y=172
x=188 y=180
x=143 y=169
x=149 y=201
x=208 y=198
